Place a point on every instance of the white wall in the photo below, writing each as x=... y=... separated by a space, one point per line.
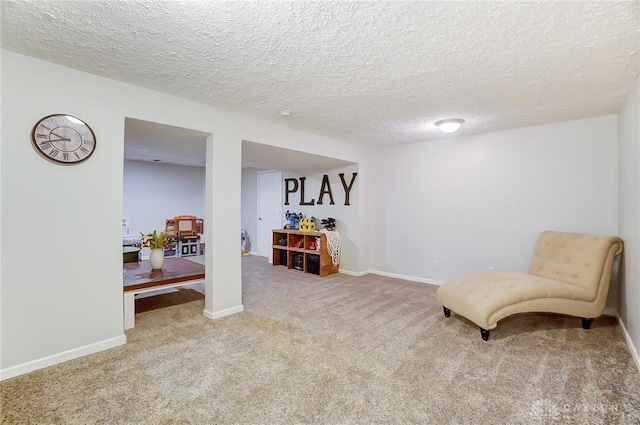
x=468 y=202
x=347 y=216
x=629 y=214
x=482 y=201
x=154 y=192
x=249 y=219
x=61 y=270
x=69 y=302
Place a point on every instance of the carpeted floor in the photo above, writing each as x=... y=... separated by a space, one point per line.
x=337 y=350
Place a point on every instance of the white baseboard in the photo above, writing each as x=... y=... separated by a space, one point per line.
x=394 y=275
x=410 y=278
x=218 y=314
x=350 y=273
x=627 y=338
x=34 y=365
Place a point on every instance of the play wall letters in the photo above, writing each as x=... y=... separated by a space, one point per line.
x=291 y=186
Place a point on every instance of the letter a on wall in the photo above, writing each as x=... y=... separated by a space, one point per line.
x=325 y=188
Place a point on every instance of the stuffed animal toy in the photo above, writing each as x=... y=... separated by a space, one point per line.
x=315 y=244
x=328 y=223
x=307 y=224
x=293 y=220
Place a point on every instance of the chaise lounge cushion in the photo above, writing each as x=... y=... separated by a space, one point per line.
x=568 y=274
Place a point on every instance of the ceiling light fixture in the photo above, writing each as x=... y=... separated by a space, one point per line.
x=450 y=125
x=285 y=113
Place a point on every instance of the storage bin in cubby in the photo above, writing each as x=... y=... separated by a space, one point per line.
x=313 y=264
x=280 y=257
x=298 y=261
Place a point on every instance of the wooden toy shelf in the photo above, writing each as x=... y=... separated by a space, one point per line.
x=287 y=253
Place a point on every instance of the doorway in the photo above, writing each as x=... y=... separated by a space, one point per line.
x=164 y=176
x=269 y=209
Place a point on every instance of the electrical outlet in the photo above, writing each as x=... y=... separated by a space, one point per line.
x=436 y=263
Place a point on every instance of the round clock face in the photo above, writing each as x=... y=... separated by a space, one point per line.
x=63 y=138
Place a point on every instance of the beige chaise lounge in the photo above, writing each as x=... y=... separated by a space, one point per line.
x=569 y=274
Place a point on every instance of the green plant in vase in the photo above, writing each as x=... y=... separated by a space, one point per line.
x=153 y=240
x=156 y=241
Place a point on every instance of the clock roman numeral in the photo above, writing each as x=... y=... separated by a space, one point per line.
x=48 y=128
x=87 y=142
x=40 y=135
x=54 y=153
x=45 y=145
x=76 y=154
x=65 y=156
x=85 y=150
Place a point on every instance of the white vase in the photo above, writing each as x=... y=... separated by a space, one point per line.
x=156 y=258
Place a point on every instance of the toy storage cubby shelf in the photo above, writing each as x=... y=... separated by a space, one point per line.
x=316 y=262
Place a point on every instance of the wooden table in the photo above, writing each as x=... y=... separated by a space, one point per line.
x=139 y=278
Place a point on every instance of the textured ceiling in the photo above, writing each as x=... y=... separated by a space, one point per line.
x=258 y=155
x=368 y=72
x=154 y=142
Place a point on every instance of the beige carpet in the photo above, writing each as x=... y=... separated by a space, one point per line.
x=337 y=350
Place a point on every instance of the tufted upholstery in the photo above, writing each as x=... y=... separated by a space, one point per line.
x=571 y=257
x=568 y=274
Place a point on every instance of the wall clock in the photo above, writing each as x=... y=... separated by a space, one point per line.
x=63 y=139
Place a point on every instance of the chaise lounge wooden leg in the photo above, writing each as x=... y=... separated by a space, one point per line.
x=485 y=334
x=447 y=312
x=586 y=323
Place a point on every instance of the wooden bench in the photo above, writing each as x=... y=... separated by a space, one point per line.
x=138 y=278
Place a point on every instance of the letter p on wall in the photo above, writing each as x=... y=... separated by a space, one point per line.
x=288 y=190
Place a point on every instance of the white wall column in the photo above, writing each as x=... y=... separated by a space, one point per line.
x=223 y=279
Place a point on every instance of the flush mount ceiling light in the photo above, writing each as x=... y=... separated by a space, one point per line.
x=450 y=125
x=285 y=113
